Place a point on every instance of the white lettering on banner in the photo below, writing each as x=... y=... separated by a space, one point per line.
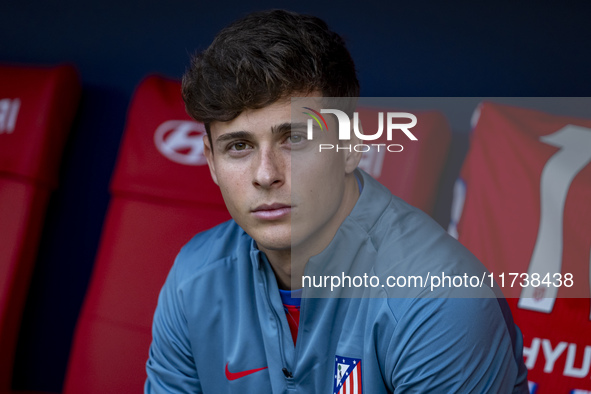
x=181 y=141
x=551 y=355
x=8 y=114
x=569 y=368
x=531 y=353
x=558 y=173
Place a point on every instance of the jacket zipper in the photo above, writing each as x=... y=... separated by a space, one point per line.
x=286 y=372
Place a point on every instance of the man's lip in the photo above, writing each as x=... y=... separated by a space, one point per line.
x=270 y=207
x=271 y=211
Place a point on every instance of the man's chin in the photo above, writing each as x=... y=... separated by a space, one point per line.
x=275 y=246
x=272 y=241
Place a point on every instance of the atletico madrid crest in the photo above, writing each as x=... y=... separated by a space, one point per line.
x=347 y=375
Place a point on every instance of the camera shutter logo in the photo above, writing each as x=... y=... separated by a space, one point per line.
x=314 y=115
x=181 y=141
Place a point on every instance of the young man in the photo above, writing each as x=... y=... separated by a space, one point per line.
x=228 y=320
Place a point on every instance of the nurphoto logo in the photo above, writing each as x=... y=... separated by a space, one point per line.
x=344 y=125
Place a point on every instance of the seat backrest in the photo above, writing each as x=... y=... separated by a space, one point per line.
x=523 y=208
x=162 y=195
x=37 y=107
x=410 y=169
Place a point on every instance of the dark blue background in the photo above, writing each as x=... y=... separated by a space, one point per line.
x=401 y=49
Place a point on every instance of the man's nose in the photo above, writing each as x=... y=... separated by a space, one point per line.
x=269 y=168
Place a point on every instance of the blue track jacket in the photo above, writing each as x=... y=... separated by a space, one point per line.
x=220 y=326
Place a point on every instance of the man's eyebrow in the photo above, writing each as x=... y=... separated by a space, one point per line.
x=234 y=135
x=287 y=126
x=239 y=135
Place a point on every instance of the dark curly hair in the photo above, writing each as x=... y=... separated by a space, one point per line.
x=264 y=57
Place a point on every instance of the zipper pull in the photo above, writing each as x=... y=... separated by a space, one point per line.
x=287 y=374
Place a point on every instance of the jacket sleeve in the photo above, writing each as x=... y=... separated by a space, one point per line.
x=171 y=367
x=457 y=345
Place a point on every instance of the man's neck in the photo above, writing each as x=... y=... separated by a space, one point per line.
x=289 y=264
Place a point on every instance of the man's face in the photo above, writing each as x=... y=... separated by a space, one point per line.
x=275 y=183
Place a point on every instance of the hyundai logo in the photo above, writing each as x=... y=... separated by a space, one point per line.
x=181 y=141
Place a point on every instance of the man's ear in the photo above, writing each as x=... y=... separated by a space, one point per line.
x=353 y=158
x=208 y=152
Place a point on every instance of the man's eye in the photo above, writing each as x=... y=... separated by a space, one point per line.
x=295 y=139
x=239 y=146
